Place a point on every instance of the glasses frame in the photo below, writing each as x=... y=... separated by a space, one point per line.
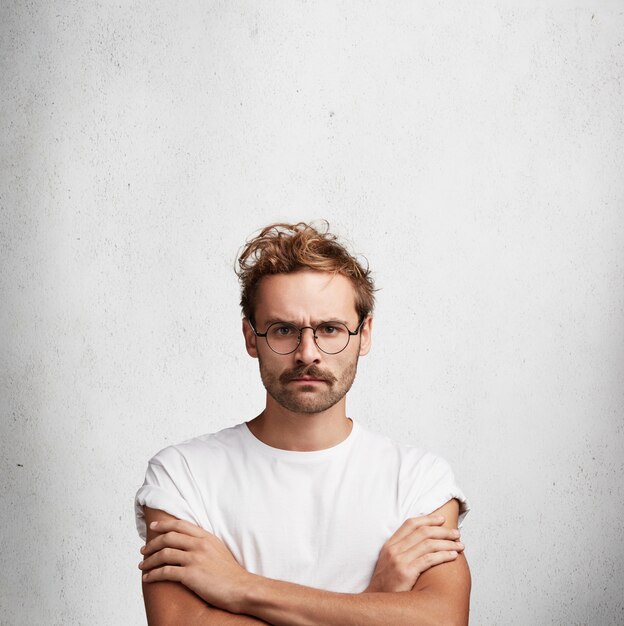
x=301 y=329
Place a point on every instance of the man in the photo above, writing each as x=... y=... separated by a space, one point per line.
x=301 y=516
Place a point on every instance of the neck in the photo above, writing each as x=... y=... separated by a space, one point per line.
x=305 y=432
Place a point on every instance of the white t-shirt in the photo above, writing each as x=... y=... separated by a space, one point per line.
x=314 y=518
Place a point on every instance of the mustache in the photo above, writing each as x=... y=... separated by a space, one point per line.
x=313 y=371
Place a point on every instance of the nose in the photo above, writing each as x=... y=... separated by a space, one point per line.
x=307 y=351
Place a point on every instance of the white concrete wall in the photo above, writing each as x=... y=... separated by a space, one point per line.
x=473 y=151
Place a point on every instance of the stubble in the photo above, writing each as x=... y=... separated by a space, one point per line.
x=302 y=398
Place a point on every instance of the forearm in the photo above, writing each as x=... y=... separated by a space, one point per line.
x=212 y=616
x=171 y=604
x=206 y=616
x=441 y=595
x=203 y=569
x=286 y=604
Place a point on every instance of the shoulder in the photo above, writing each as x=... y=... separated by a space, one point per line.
x=180 y=478
x=202 y=448
x=428 y=482
x=408 y=456
x=425 y=481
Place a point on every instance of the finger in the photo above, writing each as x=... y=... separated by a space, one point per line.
x=413 y=523
x=435 y=558
x=168 y=572
x=179 y=526
x=431 y=546
x=425 y=533
x=168 y=540
x=416 y=524
x=166 y=556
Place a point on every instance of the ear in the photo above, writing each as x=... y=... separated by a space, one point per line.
x=366 y=336
x=250 y=339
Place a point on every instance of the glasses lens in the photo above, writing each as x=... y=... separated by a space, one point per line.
x=282 y=338
x=332 y=337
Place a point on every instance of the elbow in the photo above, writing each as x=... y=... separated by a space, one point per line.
x=449 y=618
x=442 y=611
x=455 y=617
x=459 y=621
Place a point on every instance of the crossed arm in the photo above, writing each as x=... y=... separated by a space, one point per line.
x=421 y=577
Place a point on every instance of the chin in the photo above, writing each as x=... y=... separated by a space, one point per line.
x=306 y=406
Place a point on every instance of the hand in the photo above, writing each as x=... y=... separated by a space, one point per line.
x=188 y=554
x=419 y=544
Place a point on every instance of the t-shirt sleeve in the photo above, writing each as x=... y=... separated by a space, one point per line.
x=170 y=487
x=429 y=483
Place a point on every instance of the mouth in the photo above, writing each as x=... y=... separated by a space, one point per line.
x=307 y=376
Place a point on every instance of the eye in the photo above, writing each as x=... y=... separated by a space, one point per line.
x=282 y=330
x=330 y=328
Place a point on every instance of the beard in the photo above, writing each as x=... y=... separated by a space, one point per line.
x=302 y=398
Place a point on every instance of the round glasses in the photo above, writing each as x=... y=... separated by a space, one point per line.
x=329 y=337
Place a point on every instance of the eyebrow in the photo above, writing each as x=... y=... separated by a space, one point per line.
x=314 y=322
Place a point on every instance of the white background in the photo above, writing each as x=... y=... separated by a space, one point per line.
x=472 y=151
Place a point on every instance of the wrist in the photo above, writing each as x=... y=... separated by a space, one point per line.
x=374 y=586
x=250 y=593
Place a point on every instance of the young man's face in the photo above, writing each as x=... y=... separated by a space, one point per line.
x=307 y=380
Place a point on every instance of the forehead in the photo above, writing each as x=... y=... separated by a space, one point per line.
x=305 y=296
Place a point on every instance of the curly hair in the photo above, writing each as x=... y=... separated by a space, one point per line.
x=283 y=248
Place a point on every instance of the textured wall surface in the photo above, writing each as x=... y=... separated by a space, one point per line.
x=472 y=151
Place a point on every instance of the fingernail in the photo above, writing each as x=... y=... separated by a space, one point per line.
x=453 y=553
x=460 y=544
x=144 y=577
x=153 y=524
x=141 y=565
x=142 y=550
